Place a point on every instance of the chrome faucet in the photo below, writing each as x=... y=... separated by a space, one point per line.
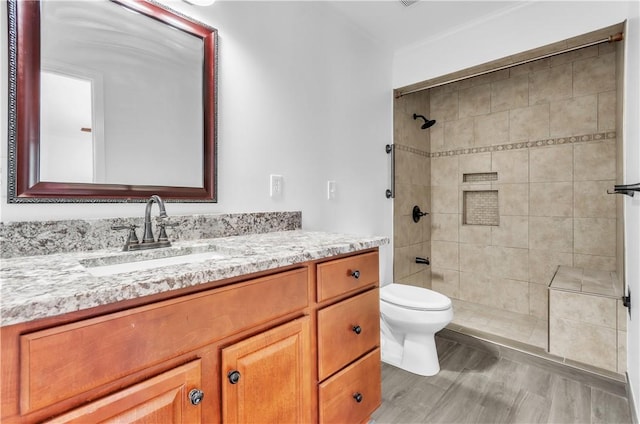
x=148 y=241
x=148 y=233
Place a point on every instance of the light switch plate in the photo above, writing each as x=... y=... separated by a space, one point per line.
x=275 y=185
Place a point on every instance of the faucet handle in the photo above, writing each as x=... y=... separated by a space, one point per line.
x=162 y=224
x=132 y=238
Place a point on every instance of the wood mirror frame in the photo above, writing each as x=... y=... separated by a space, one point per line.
x=24 y=185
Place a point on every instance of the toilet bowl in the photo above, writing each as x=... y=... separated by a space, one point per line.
x=409 y=319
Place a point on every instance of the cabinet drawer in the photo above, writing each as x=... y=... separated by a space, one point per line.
x=338 y=396
x=346 y=331
x=65 y=361
x=344 y=275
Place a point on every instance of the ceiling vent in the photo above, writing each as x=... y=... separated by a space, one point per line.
x=407 y=3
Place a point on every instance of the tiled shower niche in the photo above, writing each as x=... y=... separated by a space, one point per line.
x=480 y=207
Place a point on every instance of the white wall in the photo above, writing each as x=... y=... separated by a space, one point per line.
x=531 y=25
x=301 y=93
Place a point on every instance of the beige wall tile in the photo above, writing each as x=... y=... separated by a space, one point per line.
x=592 y=201
x=444 y=227
x=607 y=111
x=404 y=260
x=513 y=231
x=622 y=316
x=476 y=234
x=550 y=84
x=436 y=135
x=544 y=263
x=476 y=288
x=539 y=301
x=491 y=129
x=458 y=134
x=412 y=168
x=594 y=75
x=551 y=233
x=622 y=352
x=595 y=310
x=595 y=236
x=510 y=93
x=595 y=161
x=446 y=281
x=590 y=344
x=474 y=163
x=474 y=101
x=444 y=105
x=444 y=199
x=475 y=258
x=511 y=166
x=444 y=254
x=529 y=123
x=513 y=199
x=419 y=279
x=606 y=263
x=548 y=164
x=509 y=263
x=551 y=199
x=444 y=170
x=511 y=295
x=406 y=195
x=575 y=116
x=406 y=232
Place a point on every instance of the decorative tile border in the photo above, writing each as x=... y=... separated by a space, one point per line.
x=527 y=144
x=411 y=150
x=609 y=135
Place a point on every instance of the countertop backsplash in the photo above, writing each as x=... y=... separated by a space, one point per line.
x=31 y=238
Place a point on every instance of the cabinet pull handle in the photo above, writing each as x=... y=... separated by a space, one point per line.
x=234 y=377
x=358 y=397
x=357 y=329
x=355 y=274
x=196 y=396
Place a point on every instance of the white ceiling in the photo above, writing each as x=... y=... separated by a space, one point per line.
x=399 y=26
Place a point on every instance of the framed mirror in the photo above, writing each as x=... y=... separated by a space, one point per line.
x=110 y=101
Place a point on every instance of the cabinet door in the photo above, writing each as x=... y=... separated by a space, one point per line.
x=267 y=378
x=161 y=399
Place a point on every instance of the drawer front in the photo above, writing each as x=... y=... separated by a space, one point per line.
x=346 y=331
x=352 y=395
x=342 y=276
x=65 y=361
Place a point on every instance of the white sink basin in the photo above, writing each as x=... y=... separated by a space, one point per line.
x=139 y=265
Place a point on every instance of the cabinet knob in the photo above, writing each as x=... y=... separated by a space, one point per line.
x=234 y=377
x=357 y=397
x=357 y=329
x=195 y=396
x=355 y=274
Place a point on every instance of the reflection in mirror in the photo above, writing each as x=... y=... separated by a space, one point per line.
x=126 y=95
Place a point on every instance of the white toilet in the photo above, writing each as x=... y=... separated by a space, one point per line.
x=409 y=319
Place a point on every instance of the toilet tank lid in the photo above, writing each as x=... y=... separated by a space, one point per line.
x=414 y=297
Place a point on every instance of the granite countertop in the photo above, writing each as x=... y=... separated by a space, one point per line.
x=35 y=287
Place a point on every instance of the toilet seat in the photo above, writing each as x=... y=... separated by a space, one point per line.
x=416 y=298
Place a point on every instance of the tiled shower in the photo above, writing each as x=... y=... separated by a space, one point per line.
x=514 y=175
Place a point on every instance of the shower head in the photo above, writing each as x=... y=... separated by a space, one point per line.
x=427 y=122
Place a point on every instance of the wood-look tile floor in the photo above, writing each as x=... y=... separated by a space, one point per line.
x=476 y=386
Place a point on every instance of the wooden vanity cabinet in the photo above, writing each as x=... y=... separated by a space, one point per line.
x=259 y=350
